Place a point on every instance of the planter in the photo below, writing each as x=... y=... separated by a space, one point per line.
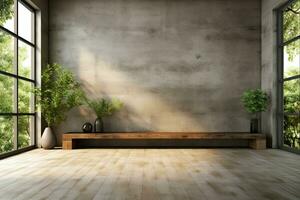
x=48 y=139
x=254 y=125
x=98 y=126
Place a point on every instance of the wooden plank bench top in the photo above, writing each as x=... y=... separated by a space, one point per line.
x=257 y=140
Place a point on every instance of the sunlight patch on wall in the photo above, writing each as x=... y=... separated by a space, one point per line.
x=142 y=107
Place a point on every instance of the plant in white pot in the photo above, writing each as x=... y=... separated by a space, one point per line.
x=255 y=101
x=58 y=94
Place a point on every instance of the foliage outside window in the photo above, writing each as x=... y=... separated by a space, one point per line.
x=289 y=47
x=17 y=75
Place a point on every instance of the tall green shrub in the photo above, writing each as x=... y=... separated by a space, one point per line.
x=59 y=93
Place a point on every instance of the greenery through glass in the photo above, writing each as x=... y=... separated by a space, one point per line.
x=291 y=26
x=291 y=124
x=7 y=52
x=25 y=134
x=7 y=14
x=7 y=129
x=291 y=22
x=7 y=93
x=291 y=86
x=7 y=87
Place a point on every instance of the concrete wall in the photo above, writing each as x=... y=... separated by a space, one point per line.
x=177 y=65
x=41 y=7
x=269 y=67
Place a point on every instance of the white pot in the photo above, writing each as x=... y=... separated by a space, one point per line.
x=48 y=139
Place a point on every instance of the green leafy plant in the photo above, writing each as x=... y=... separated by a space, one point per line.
x=59 y=93
x=255 y=101
x=291 y=29
x=6 y=10
x=291 y=125
x=105 y=107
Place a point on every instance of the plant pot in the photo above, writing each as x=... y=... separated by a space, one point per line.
x=48 y=139
x=98 y=126
x=254 y=125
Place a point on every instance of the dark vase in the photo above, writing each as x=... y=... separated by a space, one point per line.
x=254 y=126
x=98 y=126
x=87 y=127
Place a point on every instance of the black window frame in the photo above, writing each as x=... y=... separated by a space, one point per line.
x=280 y=75
x=17 y=77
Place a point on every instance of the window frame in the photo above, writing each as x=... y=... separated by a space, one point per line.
x=280 y=76
x=33 y=80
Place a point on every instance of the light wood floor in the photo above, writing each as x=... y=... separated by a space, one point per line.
x=153 y=174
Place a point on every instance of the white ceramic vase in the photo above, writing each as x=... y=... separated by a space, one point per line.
x=48 y=139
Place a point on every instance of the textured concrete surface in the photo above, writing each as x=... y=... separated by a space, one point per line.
x=177 y=65
x=269 y=67
x=41 y=7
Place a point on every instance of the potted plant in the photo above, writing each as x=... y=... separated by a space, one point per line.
x=255 y=101
x=58 y=94
x=103 y=107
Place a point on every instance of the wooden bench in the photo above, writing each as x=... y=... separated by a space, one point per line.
x=256 y=140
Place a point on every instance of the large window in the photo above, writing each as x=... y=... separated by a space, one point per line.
x=17 y=76
x=289 y=75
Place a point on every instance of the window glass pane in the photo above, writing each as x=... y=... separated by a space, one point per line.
x=6 y=52
x=292 y=59
x=25 y=60
x=26 y=97
x=25 y=22
x=26 y=130
x=7 y=14
x=7 y=94
x=291 y=22
x=291 y=92
x=291 y=132
x=11 y=96
x=7 y=129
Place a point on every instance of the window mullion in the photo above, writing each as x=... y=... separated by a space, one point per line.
x=280 y=78
x=17 y=36
x=15 y=79
x=17 y=72
x=34 y=134
x=290 y=41
x=292 y=78
x=293 y=114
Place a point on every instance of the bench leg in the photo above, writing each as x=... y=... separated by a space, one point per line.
x=258 y=144
x=67 y=144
